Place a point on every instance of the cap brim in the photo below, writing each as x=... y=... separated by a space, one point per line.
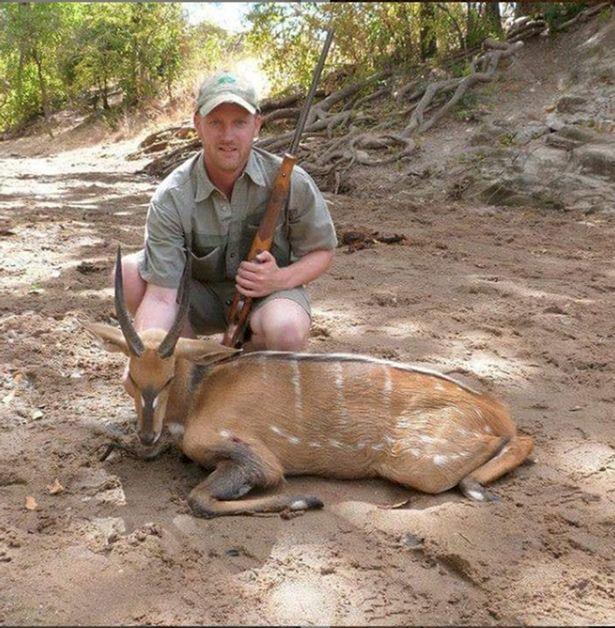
x=210 y=105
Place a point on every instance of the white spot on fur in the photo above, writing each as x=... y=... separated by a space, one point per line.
x=378 y=447
x=361 y=445
x=338 y=373
x=335 y=443
x=275 y=428
x=175 y=429
x=294 y=440
x=225 y=433
x=427 y=439
x=477 y=495
x=387 y=386
x=315 y=444
x=488 y=429
x=296 y=380
x=299 y=504
x=439 y=460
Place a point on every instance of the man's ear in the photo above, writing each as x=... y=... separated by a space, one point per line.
x=202 y=350
x=258 y=123
x=112 y=338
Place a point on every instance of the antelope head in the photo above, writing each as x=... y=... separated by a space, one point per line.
x=153 y=355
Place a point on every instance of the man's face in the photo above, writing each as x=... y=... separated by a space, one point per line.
x=227 y=133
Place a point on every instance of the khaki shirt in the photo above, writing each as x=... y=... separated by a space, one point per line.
x=188 y=207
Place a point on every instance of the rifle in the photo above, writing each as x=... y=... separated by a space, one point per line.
x=240 y=306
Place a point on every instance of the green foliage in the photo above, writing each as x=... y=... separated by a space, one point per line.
x=98 y=54
x=53 y=52
x=556 y=13
x=368 y=37
x=466 y=108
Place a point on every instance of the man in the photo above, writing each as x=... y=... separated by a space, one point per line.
x=213 y=204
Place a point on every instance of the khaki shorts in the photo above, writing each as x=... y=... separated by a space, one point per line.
x=210 y=304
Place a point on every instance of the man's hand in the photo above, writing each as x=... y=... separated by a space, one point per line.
x=261 y=277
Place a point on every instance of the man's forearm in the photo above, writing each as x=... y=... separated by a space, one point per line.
x=306 y=269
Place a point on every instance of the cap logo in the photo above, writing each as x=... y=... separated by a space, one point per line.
x=226 y=79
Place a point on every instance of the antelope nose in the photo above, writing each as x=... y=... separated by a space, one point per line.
x=147 y=438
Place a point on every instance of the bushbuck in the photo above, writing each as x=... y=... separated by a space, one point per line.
x=255 y=417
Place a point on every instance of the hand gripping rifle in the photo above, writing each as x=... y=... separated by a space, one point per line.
x=240 y=307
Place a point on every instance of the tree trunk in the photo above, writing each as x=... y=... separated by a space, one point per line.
x=527 y=7
x=43 y=88
x=492 y=13
x=427 y=35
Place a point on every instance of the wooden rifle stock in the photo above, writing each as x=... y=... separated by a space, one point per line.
x=240 y=307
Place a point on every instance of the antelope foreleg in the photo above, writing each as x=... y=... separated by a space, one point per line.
x=231 y=481
x=241 y=465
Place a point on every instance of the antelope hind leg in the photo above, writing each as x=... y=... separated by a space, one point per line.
x=509 y=458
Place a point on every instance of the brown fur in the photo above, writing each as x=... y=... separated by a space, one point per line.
x=258 y=416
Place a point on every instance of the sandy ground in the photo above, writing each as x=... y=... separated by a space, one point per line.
x=517 y=302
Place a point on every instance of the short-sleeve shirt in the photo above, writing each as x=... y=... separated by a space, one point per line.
x=187 y=207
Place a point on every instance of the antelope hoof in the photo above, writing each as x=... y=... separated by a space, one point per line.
x=199 y=509
x=304 y=503
x=476 y=491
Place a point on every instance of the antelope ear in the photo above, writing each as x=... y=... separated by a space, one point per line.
x=112 y=338
x=201 y=350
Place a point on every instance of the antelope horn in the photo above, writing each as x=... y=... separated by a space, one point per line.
x=132 y=337
x=167 y=346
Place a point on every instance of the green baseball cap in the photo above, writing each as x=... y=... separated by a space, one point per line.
x=225 y=87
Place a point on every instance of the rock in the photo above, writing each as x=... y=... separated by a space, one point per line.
x=555 y=122
x=570 y=104
x=412 y=540
x=530 y=132
x=109 y=528
x=582 y=135
x=488 y=133
x=598 y=160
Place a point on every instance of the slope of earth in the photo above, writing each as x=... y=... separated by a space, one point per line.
x=516 y=301
x=542 y=133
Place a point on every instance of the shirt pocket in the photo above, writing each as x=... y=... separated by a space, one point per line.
x=209 y=267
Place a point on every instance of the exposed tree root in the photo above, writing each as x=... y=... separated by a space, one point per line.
x=340 y=129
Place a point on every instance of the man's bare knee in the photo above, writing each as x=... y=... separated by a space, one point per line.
x=288 y=336
x=134 y=284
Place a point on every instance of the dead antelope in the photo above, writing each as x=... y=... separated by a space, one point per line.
x=258 y=416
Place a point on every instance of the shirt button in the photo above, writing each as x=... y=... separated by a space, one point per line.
x=229 y=301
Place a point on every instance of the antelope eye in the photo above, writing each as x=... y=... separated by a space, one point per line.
x=167 y=383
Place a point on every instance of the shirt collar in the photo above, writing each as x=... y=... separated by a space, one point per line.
x=253 y=169
x=204 y=186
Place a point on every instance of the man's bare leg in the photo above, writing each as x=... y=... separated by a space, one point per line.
x=280 y=325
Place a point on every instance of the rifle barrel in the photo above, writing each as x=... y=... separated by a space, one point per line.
x=310 y=96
